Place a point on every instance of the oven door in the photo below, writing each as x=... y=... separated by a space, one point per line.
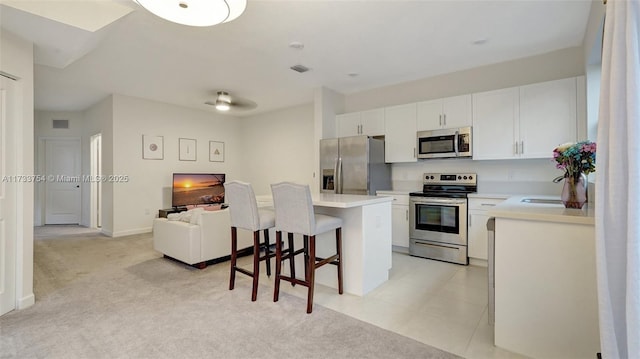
x=438 y=219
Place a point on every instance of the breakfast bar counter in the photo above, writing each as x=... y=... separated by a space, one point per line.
x=545 y=278
x=366 y=240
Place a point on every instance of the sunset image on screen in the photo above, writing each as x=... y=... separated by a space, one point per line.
x=196 y=188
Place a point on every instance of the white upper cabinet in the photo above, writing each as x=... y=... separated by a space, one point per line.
x=524 y=122
x=400 y=133
x=547 y=117
x=370 y=123
x=495 y=124
x=446 y=112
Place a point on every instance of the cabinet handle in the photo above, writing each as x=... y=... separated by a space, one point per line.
x=515 y=147
x=444 y=118
x=470 y=221
x=522 y=147
x=414 y=152
x=488 y=204
x=440 y=119
x=407 y=214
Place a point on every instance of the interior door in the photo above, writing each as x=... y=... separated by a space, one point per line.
x=8 y=190
x=62 y=157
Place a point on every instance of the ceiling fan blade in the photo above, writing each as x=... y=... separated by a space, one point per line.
x=235 y=102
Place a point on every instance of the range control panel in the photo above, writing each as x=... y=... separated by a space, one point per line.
x=449 y=178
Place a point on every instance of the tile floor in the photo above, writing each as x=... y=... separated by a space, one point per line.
x=440 y=304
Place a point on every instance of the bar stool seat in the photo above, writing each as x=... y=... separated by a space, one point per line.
x=295 y=214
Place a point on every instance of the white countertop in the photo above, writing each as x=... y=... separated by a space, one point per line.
x=514 y=208
x=338 y=200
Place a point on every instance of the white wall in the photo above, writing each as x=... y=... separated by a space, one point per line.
x=99 y=119
x=551 y=66
x=16 y=58
x=136 y=202
x=278 y=146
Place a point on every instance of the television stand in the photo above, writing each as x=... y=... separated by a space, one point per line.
x=163 y=213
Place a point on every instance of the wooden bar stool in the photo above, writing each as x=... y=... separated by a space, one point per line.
x=245 y=214
x=295 y=214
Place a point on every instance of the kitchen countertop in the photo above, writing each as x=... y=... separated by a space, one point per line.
x=514 y=208
x=338 y=200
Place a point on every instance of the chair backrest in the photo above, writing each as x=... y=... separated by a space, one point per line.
x=294 y=208
x=243 y=208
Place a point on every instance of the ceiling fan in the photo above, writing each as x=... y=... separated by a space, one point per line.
x=225 y=102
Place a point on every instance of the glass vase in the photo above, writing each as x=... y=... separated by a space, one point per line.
x=574 y=191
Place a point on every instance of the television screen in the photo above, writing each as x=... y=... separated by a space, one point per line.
x=197 y=188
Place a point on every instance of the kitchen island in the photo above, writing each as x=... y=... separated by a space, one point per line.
x=366 y=240
x=545 y=278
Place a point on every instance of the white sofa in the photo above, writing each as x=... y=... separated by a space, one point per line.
x=206 y=236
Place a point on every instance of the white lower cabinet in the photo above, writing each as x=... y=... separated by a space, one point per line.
x=477 y=225
x=399 y=220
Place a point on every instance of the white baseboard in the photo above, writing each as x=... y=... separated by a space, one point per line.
x=26 y=302
x=131 y=232
x=400 y=249
x=478 y=262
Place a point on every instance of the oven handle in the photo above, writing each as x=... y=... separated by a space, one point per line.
x=455 y=201
x=435 y=245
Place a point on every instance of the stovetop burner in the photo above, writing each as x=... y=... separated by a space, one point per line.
x=451 y=185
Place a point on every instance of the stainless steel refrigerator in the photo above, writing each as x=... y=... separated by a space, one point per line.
x=353 y=165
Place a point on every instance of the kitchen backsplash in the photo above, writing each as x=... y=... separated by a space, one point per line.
x=534 y=176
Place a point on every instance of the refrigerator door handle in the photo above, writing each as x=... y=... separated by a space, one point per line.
x=338 y=173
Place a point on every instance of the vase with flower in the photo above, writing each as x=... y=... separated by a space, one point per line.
x=576 y=160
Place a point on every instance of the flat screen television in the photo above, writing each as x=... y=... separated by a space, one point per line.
x=197 y=189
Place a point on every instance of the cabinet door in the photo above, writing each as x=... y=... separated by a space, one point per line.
x=477 y=234
x=400 y=225
x=547 y=117
x=372 y=122
x=429 y=115
x=495 y=124
x=456 y=111
x=400 y=133
x=348 y=124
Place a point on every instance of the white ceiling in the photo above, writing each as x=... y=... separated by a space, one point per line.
x=384 y=42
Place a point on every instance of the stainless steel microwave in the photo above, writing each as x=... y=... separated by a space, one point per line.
x=445 y=143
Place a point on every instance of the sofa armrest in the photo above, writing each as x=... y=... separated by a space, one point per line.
x=216 y=234
x=177 y=239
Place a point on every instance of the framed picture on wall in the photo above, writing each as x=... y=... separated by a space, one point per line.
x=152 y=147
x=187 y=149
x=216 y=151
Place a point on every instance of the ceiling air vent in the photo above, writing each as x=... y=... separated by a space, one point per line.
x=60 y=123
x=299 y=68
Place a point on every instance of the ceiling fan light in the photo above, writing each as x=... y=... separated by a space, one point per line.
x=222 y=105
x=195 y=12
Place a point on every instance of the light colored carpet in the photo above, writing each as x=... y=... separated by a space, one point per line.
x=139 y=307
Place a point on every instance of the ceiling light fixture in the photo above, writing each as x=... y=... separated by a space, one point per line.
x=223 y=102
x=195 y=12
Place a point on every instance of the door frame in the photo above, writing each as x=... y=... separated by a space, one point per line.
x=40 y=188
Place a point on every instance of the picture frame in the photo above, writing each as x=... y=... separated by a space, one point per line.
x=152 y=147
x=216 y=151
x=187 y=149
